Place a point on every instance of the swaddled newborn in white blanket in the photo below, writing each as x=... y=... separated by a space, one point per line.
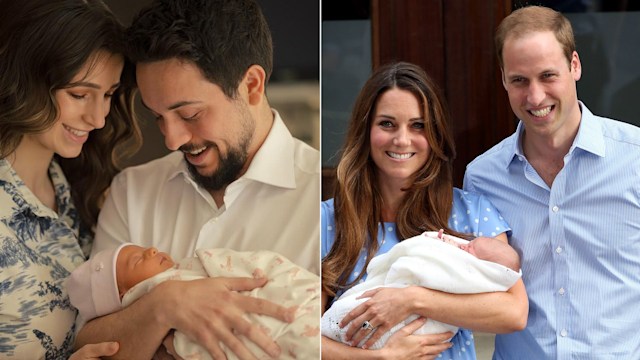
x=429 y=260
x=115 y=278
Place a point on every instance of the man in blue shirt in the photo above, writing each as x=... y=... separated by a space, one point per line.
x=568 y=183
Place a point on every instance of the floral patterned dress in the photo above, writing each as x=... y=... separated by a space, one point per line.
x=39 y=247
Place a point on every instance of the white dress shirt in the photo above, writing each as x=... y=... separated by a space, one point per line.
x=273 y=206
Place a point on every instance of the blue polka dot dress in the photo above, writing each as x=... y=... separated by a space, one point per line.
x=471 y=213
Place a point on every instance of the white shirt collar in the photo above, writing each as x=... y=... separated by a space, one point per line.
x=273 y=164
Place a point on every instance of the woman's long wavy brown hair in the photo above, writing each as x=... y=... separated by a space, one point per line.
x=357 y=201
x=43 y=45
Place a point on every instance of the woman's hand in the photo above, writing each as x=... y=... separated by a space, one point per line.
x=386 y=308
x=95 y=351
x=404 y=345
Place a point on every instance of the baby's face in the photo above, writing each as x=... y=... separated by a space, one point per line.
x=469 y=247
x=479 y=246
x=135 y=264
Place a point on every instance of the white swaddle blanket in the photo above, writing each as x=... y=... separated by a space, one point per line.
x=289 y=285
x=427 y=261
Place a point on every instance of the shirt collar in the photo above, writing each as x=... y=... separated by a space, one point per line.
x=514 y=146
x=272 y=164
x=589 y=138
x=24 y=199
x=62 y=189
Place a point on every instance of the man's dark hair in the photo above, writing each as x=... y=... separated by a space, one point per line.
x=222 y=37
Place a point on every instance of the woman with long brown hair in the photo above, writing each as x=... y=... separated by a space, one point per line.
x=394 y=181
x=66 y=116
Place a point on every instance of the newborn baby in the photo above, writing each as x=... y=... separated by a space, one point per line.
x=433 y=260
x=113 y=279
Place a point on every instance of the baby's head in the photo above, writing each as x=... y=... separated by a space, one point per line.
x=135 y=264
x=96 y=287
x=494 y=250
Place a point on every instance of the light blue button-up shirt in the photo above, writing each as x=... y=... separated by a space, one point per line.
x=579 y=242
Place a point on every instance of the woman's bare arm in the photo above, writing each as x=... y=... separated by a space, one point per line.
x=496 y=312
x=402 y=345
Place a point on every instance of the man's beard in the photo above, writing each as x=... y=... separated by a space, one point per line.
x=229 y=168
x=231 y=164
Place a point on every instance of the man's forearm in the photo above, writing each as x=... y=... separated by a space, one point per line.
x=138 y=328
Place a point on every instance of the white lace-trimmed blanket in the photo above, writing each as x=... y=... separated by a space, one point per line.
x=426 y=261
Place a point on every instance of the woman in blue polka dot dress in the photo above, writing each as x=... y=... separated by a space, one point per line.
x=394 y=181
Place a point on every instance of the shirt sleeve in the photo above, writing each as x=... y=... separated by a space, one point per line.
x=473 y=213
x=327 y=227
x=492 y=223
x=467 y=184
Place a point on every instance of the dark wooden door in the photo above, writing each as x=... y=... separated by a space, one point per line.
x=453 y=41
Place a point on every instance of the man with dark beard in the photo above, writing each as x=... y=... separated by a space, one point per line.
x=236 y=179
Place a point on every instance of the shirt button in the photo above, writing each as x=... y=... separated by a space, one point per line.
x=558 y=249
x=555 y=209
x=563 y=333
x=561 y=291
